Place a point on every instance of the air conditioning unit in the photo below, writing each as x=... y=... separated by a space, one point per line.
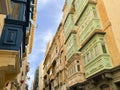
x=5 y=6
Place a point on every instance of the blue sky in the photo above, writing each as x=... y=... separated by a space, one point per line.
x=49 y=13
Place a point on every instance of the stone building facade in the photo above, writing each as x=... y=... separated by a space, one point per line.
x=91 y=47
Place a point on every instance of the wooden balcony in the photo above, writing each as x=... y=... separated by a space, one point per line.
x=12 y=40
x=93 y=26
x=68 y=10
x=69 y=26
x=102 y=62
x=11 y=48
x=80 y=6
x=5 y=7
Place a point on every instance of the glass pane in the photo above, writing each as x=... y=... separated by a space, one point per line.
x=78 y=67
x=96 y=50
x=104 y=48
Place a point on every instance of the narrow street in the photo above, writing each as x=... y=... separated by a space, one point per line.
x=59 y=45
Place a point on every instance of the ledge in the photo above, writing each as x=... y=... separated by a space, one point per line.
x=90 y=37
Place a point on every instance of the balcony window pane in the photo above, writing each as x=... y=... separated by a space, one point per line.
x=94 y=12
x=92 y=54
x=104 y=48
x=15 y=11
x=88 y=57
x=96 y=50
x=84 y=59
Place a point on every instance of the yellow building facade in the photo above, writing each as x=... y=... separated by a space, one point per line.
x=54 y=63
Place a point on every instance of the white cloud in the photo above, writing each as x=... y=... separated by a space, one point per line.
x=43 y=3
x=38 y=48
x=43 y=36
x=48 y=36
x=40 y=44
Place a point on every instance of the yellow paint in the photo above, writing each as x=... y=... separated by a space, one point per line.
x=109 y=15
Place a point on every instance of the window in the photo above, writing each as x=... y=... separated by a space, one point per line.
x=92 y=54
x=56 y=50
x=78 y=67
x=22 y=73
x=12 y=4
x=88 y=58
x=104 y=48
x=96 y=50
x=65 y=58
x=69 y=45
x=94 y=12
x=68 y=25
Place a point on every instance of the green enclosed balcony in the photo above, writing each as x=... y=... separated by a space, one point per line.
x=89 y=22
x=71 y=46
x=69 y=25
x=100 y=63
x=93 y=25
x=72 y=50
x=95 y=55
x=80 y=5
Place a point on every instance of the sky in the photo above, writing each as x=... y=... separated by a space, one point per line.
x=49 y=14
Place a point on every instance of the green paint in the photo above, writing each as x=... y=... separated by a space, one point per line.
x=88 y=23
x=99 y=61
x=80 y=6
x=71 y=46
x=69 y=25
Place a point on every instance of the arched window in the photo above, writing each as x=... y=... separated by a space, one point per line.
x=105 y=87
